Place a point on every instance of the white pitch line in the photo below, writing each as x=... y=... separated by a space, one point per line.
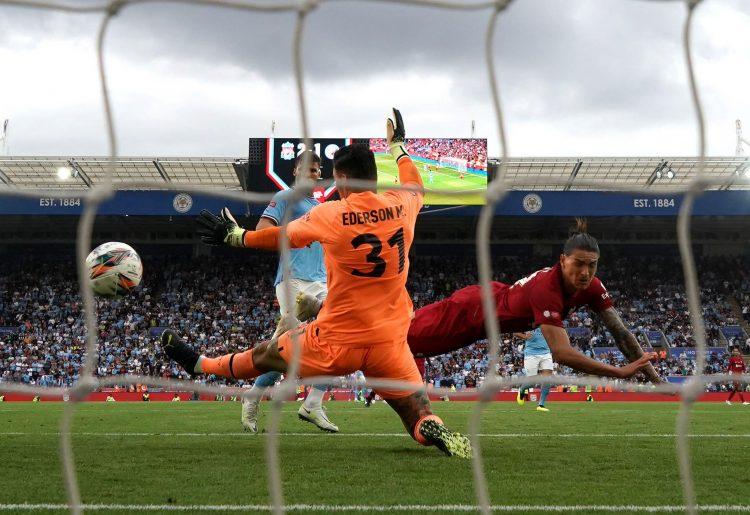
x=379 y=508
x=384 y=435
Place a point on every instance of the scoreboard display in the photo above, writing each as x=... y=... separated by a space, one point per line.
x=271 y=162
x=449 y=164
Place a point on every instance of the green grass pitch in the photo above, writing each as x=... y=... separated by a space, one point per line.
x=193 y=453
x=443 y=178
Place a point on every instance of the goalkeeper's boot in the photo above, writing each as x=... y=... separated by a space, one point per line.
x=179 y=351
x=452 y=444
x=541 y=408
x=250 y=412
x=520 y=398
x=318 y=417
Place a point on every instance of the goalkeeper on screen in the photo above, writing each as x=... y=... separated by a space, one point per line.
x=363 y=324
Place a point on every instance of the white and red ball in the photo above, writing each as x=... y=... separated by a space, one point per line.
x=115 y=269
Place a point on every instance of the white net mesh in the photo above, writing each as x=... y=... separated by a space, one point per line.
x=454 y=163
x=496 y=190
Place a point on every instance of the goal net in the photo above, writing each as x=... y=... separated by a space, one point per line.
x=453 y=163
x=496 y=191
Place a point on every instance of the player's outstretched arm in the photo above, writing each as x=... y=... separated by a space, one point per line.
x=396 y=138
x=223 y=230
x=565 y=354
x=627 y=342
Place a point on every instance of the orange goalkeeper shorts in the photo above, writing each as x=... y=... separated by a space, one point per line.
x=384 y=361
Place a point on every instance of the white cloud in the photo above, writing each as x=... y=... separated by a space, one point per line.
x=591 y=79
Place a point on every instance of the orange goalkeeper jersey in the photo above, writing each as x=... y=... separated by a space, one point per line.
x=366 y=239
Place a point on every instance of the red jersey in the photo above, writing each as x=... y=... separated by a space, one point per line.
x=537 y=299
x=736 y=365
x=540 y=298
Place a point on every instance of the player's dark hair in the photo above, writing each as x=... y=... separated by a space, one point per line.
x=356 y=161
x=580 y=239
x=309 y=154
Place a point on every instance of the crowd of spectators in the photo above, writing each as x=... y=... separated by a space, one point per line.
x=466 y=367
x=229 y=304
x=219 y=308
x=474 y=151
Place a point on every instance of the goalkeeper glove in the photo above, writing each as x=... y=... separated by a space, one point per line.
x=397 y=135
x=222 y=229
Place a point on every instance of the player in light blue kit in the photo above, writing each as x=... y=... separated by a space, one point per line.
x=430 y=177
x=308 y=276
x=537 y=360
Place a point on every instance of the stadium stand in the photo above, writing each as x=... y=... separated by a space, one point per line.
x=228 y=308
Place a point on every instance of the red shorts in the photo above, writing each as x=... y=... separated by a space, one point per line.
x=384 y=361
x=447 y=325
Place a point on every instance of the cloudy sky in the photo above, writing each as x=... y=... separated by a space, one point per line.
x=577 y=77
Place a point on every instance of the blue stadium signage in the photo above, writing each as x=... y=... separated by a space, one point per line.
x=157 y=203
x=599 y=203
x=516 y=203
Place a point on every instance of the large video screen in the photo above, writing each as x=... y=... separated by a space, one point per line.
x=454 y=164
x=457 y=164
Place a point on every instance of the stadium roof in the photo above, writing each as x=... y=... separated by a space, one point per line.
x=657 y=173
x=42 y=172
x=524 y=173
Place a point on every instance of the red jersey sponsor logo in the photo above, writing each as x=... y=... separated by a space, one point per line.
x=736 y=364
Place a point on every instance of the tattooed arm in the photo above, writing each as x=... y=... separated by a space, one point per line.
x=565 y=354
x=626 y=341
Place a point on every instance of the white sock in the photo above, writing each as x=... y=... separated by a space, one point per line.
x=314 y=399
x=256 y=393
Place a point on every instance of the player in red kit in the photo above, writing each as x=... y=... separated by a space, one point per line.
x=543 y=299
x=736 y=366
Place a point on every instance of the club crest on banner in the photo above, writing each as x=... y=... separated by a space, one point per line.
x=287 y=151
x=182 y=202
x=532 y=203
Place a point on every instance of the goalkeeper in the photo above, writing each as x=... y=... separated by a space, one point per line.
x=366 y=237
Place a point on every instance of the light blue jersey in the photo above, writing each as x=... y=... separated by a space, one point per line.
x=536 y=345
x=306 y=263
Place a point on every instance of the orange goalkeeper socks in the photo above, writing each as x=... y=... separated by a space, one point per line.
x=237 y=366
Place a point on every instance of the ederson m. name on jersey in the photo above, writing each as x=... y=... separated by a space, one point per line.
x=373 y=216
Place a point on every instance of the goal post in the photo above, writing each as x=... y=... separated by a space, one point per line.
x=453 y=163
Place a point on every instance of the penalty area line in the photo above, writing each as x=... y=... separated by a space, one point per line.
x=739 y=508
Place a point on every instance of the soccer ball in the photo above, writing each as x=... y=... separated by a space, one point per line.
x=115 y=269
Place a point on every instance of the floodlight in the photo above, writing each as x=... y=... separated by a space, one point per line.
x=63 y=173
